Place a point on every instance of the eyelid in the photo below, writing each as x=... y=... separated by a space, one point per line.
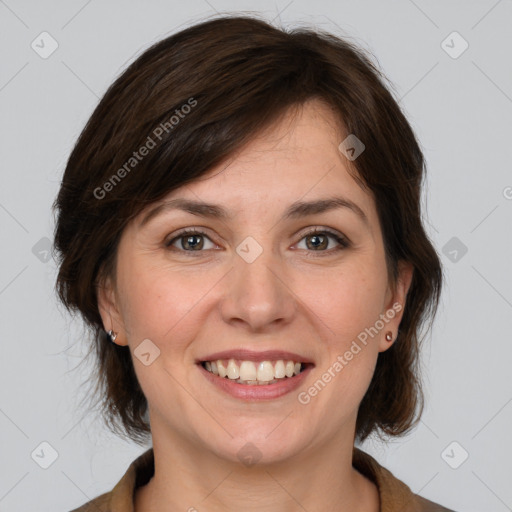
x=324 y=230
x=342 y=240
x=343 y=243
x=191 y=230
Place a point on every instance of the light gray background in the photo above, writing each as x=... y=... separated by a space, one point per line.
x=461 y=109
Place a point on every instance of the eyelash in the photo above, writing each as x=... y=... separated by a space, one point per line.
x=342 y=241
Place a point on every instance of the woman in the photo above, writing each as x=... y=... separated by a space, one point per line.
x=239 y=224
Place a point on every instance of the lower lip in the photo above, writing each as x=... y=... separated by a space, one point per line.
x=257 y=391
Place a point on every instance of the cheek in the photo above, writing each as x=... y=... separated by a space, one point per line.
x=157 y=301
x=347 y=300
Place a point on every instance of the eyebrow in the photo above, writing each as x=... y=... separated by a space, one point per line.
x=296 y=210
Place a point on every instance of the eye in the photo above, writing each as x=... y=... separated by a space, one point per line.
x=191 y=240
x=319 y=240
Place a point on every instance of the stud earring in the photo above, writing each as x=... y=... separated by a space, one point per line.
x=112 y=334
x=389 y=336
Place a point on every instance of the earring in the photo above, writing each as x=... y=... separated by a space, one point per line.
x=112 y=334
x=389 y=336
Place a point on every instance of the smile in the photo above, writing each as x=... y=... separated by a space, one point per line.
x=254 y=373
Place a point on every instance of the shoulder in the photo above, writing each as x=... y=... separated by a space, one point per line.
x=101 y=503
x=393 y=493
x=120 y=498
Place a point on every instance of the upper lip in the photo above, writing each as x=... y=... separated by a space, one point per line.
x=250 y=355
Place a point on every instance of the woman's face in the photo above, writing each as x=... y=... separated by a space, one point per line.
x=254 y=284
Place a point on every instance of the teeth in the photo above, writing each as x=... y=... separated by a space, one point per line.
x=233 y=370
x=279 y=370
x=266 y=371
x=248 y=372
x=255 y=382
x=221 y=369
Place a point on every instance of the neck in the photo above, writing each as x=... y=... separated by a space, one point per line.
x=317 y=479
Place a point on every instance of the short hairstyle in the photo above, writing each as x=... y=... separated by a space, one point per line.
x=194 y=99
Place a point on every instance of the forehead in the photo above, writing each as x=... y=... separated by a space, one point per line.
x=295 y=159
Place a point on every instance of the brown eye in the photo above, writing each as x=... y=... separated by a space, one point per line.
x=189 y=241
x=318 y=241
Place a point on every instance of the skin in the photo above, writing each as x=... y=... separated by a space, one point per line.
x=314 y=306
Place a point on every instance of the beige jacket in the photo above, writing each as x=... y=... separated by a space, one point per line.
x=394 y=495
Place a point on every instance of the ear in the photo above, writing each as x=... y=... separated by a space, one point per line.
x=109 y=309
x=395 y=304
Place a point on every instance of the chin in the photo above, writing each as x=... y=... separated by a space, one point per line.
x=258 y=445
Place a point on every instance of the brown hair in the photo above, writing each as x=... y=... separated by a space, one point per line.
x=238 y=74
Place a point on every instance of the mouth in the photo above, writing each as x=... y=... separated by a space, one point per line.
x=255 y=373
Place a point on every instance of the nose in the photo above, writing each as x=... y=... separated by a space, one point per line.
x=259 y=294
